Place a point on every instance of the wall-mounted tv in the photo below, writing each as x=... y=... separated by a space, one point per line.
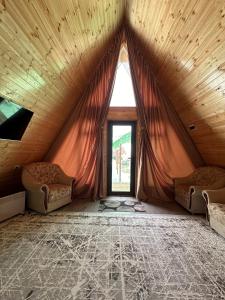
x=14 y=119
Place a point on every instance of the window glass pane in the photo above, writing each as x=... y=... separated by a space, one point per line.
x=123 y=93
x=121 y=158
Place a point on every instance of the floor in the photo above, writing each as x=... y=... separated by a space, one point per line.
x=153 y=207
x=89 y=256
x=69 y=256
x=122 y=187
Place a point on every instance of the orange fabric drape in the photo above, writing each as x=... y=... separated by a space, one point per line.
x=78 y=149
x=166 y=149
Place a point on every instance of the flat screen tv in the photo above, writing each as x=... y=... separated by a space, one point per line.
x=14 y=119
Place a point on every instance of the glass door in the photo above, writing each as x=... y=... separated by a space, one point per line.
x=121 y=158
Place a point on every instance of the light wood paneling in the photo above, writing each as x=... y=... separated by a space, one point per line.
x=48 y=50
x=122 y=114
x=186 y=47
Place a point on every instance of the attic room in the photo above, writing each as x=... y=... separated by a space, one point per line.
x=112 y=140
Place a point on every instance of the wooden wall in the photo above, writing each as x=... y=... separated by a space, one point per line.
x=186 y=46
x=48 y=50
x=122 y=114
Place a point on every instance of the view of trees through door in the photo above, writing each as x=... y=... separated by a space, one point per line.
x=121 y=157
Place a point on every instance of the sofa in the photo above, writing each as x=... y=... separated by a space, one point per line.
x=188 y=190
x=48 y=187
x=215 y=201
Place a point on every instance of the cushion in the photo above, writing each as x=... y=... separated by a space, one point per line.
x=217 y=211
x=43 y=172
x=59 y=192
x=207 y=176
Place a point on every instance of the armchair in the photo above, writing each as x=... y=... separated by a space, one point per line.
x=215 y=201
x=188 y=190
x=48 y=187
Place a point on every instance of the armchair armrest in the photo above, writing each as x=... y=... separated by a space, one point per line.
x=198 y=188
x=65 y=179
x=214 y=196
x=37 y=193
x=31 y=184
x=216 y=185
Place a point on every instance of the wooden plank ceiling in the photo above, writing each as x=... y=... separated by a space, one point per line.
x=48 y=49
x=186 y=45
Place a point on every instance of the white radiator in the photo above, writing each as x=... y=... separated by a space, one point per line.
x=12 y=205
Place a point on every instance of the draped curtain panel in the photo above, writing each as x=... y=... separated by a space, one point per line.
x=166 y=149
x=78 y=148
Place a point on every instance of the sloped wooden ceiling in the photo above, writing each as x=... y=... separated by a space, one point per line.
x=47 y=52
x=186 y=47
x=48 y=49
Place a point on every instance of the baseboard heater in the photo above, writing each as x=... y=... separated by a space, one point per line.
x=12 y=205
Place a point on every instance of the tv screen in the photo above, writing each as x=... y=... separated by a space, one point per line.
x=14 y=119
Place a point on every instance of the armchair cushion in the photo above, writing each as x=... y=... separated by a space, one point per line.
x=58 y=192
x=217 y=210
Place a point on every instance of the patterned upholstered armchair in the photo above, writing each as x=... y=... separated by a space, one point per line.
x=215 y=201
x=188 y=190
x=48 y=187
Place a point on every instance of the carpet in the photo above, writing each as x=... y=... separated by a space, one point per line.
x=121 y=205
x=100 y=256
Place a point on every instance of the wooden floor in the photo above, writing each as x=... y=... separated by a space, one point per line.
x=155 y=207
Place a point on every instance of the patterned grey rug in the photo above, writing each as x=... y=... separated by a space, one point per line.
x=102 y=256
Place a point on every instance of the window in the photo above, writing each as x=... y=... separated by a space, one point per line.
x=123 y=93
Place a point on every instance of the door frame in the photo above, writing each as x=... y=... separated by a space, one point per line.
x=133 y=157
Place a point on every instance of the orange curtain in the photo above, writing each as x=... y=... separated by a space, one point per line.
x=166 y=149
x=78 y=149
